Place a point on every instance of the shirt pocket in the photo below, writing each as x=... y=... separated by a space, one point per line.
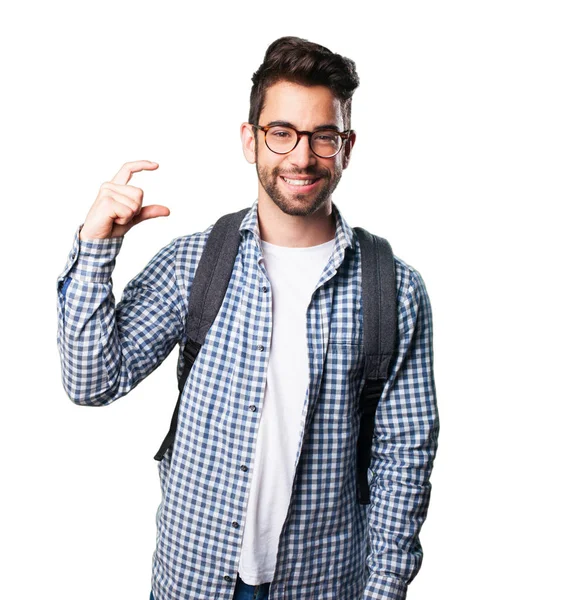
x=342 y=373
x=344 y=356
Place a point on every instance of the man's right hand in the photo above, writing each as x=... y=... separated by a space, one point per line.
x=118 y=206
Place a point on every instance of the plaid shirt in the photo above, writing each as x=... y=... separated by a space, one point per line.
x=330 y=546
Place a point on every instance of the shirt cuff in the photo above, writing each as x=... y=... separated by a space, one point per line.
x=385 y=588
x=91 y=260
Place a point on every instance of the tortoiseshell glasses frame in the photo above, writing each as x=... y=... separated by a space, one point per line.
x=344 y=135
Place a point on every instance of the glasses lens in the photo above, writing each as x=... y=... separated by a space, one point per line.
x=326 y=142
x=281 y=139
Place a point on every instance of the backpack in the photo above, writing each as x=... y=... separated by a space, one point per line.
x=379 y=323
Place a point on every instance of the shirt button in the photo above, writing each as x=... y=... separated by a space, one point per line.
x=252 y=407
x=235 y=524
x=264 y=288
x=227 y=578
x=260 y=347
x=243 y=468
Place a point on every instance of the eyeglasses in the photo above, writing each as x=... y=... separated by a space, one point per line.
x=325 y=143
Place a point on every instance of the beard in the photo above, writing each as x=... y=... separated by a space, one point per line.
x=301 y=204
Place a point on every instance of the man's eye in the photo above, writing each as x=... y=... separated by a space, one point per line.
x=326 y=138
x=281 y=134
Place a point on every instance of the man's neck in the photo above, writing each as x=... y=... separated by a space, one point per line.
x=281 y=229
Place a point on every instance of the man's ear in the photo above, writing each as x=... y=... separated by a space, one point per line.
x=248 y=142
x=347 y=152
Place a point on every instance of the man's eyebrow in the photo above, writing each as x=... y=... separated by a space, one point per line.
x=318 y=128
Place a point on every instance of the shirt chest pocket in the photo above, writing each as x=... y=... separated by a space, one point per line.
x=342 y=374
x=344 y=355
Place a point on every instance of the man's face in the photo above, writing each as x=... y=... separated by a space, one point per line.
x=305 y=108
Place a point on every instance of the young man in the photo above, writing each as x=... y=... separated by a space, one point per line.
x=259 y=486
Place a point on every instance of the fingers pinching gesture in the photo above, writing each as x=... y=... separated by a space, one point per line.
x=118 y=206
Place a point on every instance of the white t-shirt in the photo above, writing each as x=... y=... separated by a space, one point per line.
x=293 y=273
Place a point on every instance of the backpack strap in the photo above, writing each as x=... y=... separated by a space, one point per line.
x=380 y=323
x=207 y=293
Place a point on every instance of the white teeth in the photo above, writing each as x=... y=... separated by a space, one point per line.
x=299 y=181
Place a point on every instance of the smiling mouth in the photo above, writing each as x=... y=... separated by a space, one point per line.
x=302 y=185
x=300 y=181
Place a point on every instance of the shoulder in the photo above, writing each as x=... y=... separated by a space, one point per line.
x=407 y=277
x=188 y=248
x=412 y=294
x=182 y=253
x=185 y=252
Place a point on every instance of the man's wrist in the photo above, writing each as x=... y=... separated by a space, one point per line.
x=95 y=259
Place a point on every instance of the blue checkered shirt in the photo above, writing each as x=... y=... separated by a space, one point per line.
x=330 y=546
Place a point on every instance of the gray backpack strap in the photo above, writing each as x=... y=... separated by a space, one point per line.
x=380 y=338
x=213 y=275
x=207 y=293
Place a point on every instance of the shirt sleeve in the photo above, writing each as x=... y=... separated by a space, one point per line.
x=105 y=351
x=402 y=454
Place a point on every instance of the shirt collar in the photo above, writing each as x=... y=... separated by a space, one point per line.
x=344 y=234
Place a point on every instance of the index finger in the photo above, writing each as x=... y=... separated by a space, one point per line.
x=125 y=173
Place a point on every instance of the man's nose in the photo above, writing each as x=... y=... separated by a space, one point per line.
x=302 y=156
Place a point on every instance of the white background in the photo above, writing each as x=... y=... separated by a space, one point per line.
x=461 y=162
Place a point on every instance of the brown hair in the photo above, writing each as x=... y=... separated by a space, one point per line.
x=299 y=61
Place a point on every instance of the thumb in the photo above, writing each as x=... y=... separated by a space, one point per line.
x=150 y=212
